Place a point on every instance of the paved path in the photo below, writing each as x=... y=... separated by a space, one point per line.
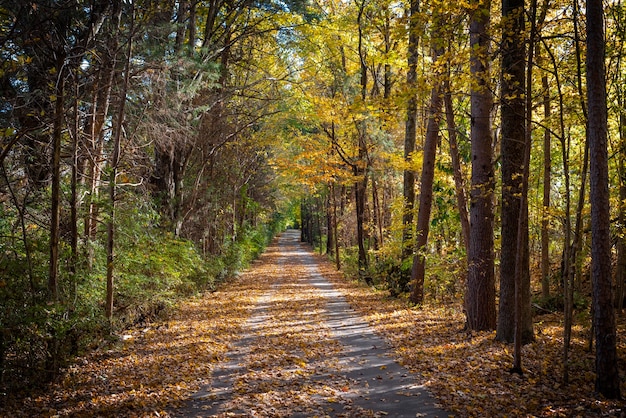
x=306 y=353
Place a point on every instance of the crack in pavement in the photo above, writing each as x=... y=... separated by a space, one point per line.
x=359 y=379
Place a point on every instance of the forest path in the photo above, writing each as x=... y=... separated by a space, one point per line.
x=305 y=352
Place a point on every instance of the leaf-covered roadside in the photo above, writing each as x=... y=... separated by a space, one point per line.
x=151 y=369
x=469 y=373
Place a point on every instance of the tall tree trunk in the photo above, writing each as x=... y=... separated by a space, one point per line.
x=192 y=28
x=576 y=263
x=514 y=210
x=428 y=172
x=480 y=302
x=376 y=217
x=408 y=188
x=360 y=168
x=330 y=237
x=566 y=260
x=545 y=207
x=620 y=271
x=99 y=111
x=607 y=375
x=181 y=15
x=115 y=158
x=459 y=182
x=360 y=190
x=73 y=262
x=59 y=117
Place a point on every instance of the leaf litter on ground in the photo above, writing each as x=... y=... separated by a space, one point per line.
x=156 y=368
x=469 y=372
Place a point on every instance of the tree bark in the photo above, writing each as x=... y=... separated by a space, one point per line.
x=607 y=376
x=59 y=117
x=480 y=297
x=408 y=188
x=513 y=146
x=459 y=182
x=360 y=168
x=545 y=222
x=115 y=158
x=428 y=174
x=620 y=271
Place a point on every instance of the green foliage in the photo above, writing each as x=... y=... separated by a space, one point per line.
x=153 y=269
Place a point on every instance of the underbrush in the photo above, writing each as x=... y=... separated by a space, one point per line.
x=444 y=280
x=153 y=271
x=469 y=372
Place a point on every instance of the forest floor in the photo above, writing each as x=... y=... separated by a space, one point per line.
x=280 y=341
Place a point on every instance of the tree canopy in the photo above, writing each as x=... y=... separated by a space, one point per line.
x=150 y=148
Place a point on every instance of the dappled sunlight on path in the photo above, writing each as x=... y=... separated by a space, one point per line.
x=307 y=353
x=278 y=341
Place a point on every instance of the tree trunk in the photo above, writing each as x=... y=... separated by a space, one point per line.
x=360 y=168
x=408 y=188
x=330 y=237
x=360 y=190
x=59 y=117
x=607 y=376
x=428 y=174
x=73 y=262
x=480 y=297
x=336 y=228
x=99 y=111
x=459 y=183
x=115 y=158
x=513 y=116
x=377 y=235
x=576 y=263
x=545 y=222
x=181 y=14
x=620 y=271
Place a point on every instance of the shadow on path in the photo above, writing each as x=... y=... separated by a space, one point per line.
x=354 y=377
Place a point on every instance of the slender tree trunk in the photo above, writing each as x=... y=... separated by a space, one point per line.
x=567 y=224
x=360 y=190
x=59 y=117
x=376 y=218
x=575 y=264
x=192 y=27
x=74 y=193
x=410 y=134
x=459 y=182
x=429 y=152
x=607 y=375
x=99 y=112
x=620 y=273
x=545 y=220
x=480 y=297
x=361 y=167
x=115 y=158
x=330 y=238
x=336 y=228
x=181 y=15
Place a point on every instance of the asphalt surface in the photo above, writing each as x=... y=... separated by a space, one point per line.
x=378 y=385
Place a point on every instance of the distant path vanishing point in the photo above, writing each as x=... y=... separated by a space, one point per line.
x=305 y=352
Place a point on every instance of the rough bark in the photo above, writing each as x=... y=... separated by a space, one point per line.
x=547 y=168
x=513 y=130
x=408 y=187
x=114 y=163
x=459 y=182
x=607 y=376
x=418 y=269
x=480 y=297
x=620 y=272
x=59 y=117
